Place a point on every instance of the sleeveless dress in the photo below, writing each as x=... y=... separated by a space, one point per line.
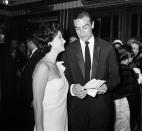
x=55 y=103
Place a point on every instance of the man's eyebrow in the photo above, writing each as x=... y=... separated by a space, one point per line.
x=83 y=26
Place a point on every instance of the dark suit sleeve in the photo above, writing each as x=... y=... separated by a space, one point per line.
x=113 y=78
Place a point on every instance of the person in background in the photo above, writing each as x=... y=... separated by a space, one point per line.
x=72 y=39
x=134 y=99
x=14 y=53
x=26 y=92
x=136 y=65
x=20 y=57
x=131 y=40
x=117 y=44
x=90 y=58
x=125 y=91
x=13 y=48
x=9 y=83
x=50 y=86
x=137 y=54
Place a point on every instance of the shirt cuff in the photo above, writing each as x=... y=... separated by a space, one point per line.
x=71 y=90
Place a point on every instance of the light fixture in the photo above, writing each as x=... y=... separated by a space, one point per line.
x=7 y=2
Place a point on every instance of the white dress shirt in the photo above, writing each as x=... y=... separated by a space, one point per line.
x=33 y=52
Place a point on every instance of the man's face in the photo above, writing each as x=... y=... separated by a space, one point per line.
x=83 y=28
x=135 y=48
x=29 y=44
x=22 y=47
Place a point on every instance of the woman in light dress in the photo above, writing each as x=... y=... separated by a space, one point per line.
x=50 y=86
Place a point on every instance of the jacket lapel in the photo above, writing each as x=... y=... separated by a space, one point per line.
x=96 y=56
x=80 y=59
x=32 y=56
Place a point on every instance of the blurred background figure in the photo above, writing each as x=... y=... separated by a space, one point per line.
x=124 y=89
x=137 y=54
x=10 y=105
x=131 y=40
x=13 y=48
x=117 y=43
x=135 y=98
x=126 y=96
x=72 y=39
x=21 y=58
x=26 y=95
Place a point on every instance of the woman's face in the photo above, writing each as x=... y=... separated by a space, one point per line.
x=135 y=48
x=130 y=59
x=117 y=45
x=58 y=42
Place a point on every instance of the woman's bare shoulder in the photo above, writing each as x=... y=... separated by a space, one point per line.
x=41 y=66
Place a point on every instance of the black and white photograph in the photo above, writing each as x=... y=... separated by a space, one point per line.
x=71 y=65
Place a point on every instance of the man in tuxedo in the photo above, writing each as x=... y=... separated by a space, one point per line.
x=26 y=84
x=90 y=58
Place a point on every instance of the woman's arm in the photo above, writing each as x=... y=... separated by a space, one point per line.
x=40 y=78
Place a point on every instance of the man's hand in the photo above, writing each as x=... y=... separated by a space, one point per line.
x=79 y=91
x=102 y=89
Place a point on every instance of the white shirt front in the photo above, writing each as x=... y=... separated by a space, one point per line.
x=33 y=52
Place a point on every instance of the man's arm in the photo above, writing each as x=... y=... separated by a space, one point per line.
x=113 y=76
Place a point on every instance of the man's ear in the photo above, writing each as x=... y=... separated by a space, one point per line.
x=92 y=24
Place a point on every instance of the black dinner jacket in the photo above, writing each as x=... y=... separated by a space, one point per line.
x=26 y=78
x=105 y=64
x=104 y=67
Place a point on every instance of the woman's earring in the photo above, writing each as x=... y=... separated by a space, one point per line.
x=49 y=45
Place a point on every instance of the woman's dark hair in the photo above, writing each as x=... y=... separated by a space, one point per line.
x=46 y=33
x=125 y=52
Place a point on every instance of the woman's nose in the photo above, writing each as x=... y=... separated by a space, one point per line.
x=64 y=40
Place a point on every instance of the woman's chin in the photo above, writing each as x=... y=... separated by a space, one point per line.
x=63 y=49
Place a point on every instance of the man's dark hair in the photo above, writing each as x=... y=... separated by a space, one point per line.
x=80 y=13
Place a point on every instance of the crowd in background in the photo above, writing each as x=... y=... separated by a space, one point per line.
x=127 y=96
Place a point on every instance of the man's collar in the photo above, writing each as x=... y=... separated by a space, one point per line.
x=34 y=50
x=90 y=40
